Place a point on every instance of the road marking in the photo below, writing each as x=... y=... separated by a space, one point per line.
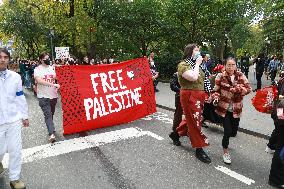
x=235 y=175
x=67 y=146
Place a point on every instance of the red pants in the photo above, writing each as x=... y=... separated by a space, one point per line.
x=192 y=103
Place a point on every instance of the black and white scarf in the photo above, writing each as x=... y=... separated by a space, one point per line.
x=207 y=84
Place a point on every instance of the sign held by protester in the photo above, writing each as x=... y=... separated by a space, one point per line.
x=62 y=52
x=105 y=95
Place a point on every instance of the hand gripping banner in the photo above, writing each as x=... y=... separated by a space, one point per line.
x=105 y=95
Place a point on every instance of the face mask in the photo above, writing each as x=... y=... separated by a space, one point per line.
x=47 y=62
x=196 y=55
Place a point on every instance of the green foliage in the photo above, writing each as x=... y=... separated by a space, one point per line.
x=126 y=29
x=273 y=25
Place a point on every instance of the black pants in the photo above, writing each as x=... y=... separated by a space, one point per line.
x=277 y=167
x=231 y=126
x=273 y=138
x=48 y=108
x=272 y=76
x=209 y=114
x=178 y=113
x=155 y=83
x=258 y=79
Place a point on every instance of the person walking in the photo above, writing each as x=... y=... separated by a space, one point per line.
x=259 y=62
x=175 y=86
x=194 y=82
x=230 y=88
x=273 y=67
x=276 y=176
x=154 y=72
x=47 y=95
x=13 y=114
x=245 y=64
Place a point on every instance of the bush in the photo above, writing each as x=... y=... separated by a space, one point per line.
x=167 y=65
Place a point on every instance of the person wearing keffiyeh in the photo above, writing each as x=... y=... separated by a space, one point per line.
x=194 y=82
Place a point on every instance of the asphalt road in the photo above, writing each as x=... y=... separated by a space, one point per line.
x=141 y=160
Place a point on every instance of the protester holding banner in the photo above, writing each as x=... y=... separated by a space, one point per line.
x=230 y=88
x=47 y=92
x=14 y=113
x=194 y=82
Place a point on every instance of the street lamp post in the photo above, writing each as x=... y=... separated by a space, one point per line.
x=51 y=43
x=267 y=45
x=91 y=30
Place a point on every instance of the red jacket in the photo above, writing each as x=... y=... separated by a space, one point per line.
x=228 y=92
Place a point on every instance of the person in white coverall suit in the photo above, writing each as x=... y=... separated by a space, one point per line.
x=13 y=114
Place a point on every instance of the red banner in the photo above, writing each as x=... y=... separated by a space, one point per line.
x=105 y=95
x=263 y=99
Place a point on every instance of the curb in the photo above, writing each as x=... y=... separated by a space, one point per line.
x=246 y=131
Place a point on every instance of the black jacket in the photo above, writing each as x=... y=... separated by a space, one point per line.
x=259 y=68
x=174 y=83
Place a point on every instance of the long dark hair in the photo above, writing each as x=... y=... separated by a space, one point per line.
x=188 y=50
x=3 y=50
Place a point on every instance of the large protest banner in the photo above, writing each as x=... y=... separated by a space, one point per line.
x=105 y=95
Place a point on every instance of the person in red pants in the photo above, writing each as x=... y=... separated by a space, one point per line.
x=194 y=82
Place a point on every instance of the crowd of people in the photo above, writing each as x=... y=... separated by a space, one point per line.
x=219 y=98
x=204 y=91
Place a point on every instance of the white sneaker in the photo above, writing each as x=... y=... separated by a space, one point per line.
x=227 y=158
x=269 y=150
x=52 y=138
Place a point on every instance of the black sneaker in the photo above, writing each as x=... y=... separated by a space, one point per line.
x=275 y=185
x=175 y=137
x=202 y=156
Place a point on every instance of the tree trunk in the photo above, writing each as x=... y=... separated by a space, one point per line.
x=219 y=49
x=72 y=9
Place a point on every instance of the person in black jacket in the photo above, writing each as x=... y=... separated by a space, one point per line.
x=245 y=64
x=260 y=61
x=276 y=177
x=178 y=111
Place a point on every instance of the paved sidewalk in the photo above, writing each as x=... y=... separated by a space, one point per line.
x=251 y=120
